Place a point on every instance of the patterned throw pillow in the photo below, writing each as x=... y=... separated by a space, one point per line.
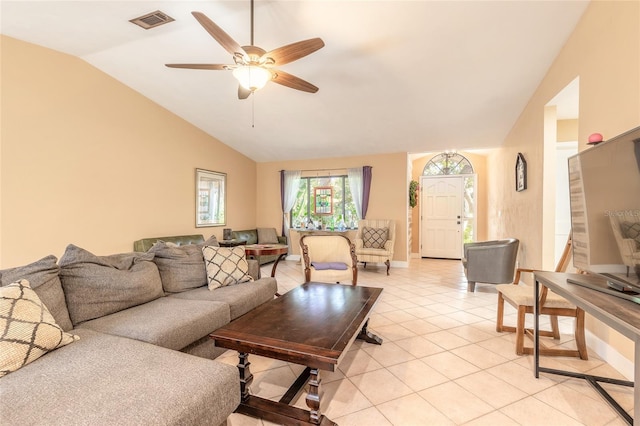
x=631 y=230
x=374 y=237
x=225 y=265
x=27 y=329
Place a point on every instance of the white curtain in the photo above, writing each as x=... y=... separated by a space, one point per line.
x=291 y=184
x=356 y=185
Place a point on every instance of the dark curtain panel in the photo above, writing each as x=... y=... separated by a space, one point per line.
x=282 y=197
x=366 y=188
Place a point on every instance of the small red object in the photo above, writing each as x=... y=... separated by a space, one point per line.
x=595 y=138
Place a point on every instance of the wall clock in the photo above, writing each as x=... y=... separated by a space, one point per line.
x=521 y=173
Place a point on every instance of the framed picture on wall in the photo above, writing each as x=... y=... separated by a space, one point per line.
x=521 y=173
x=323 y=200
x=211 y=198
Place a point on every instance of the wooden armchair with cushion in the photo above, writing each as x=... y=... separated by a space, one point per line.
x=375 y=240
x=328 y=259
x=521 y=298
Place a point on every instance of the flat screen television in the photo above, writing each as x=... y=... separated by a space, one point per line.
x=604 y=186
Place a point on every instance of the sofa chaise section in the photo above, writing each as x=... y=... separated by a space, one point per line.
x=109 y=380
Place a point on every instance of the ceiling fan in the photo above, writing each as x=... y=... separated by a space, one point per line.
x=253 y=66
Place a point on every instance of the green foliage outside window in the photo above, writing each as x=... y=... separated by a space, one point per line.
x=343 y=207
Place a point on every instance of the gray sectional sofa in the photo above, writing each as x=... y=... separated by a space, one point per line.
x=138 y=330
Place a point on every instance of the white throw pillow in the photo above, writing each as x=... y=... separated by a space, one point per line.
x=225 y=265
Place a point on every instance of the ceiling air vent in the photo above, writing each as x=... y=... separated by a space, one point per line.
x=152 y=20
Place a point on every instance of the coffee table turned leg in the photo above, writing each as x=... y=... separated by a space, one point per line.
x=245 y=375
x=368 y=336
x=313 y=397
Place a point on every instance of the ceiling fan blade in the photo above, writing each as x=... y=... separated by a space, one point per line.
x=294 y=51
x=200 y=66
x=243 y=93
x=218 y=34
x=294 y=82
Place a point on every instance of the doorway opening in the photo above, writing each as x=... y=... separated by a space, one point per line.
x=560 y=142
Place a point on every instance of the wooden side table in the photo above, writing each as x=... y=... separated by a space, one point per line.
x=280 y=250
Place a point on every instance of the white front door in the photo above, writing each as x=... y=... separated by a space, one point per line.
x=441 y=217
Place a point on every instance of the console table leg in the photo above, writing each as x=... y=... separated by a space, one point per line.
x=245 y=375
x=313 y=397
x=368 y=336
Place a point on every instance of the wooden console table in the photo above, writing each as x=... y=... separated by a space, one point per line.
x=620 y=314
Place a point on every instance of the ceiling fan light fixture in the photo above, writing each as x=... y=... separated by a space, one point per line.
x=252 y=77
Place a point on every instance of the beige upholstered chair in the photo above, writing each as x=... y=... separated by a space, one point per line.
x=373 y=244
x=328 y=259
x=521 y=298
x=490 y=262
x=626 y=230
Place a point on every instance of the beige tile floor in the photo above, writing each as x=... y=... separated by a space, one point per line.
x=441 y=363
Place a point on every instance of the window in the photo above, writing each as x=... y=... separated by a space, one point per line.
x=448 y=163
x=341 y=209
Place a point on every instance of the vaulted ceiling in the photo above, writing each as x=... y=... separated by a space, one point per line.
x=394 y=76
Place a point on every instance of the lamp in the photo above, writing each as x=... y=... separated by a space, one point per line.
x=252 y=77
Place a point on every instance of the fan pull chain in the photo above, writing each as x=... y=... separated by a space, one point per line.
x=253 y=111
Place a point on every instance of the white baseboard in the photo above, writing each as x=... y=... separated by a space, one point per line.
x=610 y=355
x=295 y=257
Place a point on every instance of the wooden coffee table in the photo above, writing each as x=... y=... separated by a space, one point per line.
x=311 y=325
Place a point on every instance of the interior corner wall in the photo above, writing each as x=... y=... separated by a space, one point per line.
x=86 y=160
x=604 y=51
x=389 y=198
x=479 y=163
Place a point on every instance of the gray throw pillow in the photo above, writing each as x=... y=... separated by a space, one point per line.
x=267 y=236
x=96 y=286
x=44 y=280
x=181 y=267
x=374 y=237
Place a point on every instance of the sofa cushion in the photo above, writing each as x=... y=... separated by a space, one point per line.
x=145 y=244
x=374 y=237
x=44 y=280
x=267 y=236
x=248 y=235
x=167 y=322
x=225 y=266
x=109 y=380
x=27 y=329
x=181 y=267
x=241 y=298
x=100 y=285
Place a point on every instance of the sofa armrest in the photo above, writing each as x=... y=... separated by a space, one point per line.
x=282 y=239
x=254 y=269
x=359 y=243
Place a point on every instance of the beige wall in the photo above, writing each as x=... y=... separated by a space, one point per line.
x=86 y=160
x=604 y=51
x=388 y=199
x=479 y=163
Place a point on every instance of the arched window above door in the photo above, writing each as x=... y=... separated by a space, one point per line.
x=448 y=163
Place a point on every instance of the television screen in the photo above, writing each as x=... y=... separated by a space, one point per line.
x=604 y=186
